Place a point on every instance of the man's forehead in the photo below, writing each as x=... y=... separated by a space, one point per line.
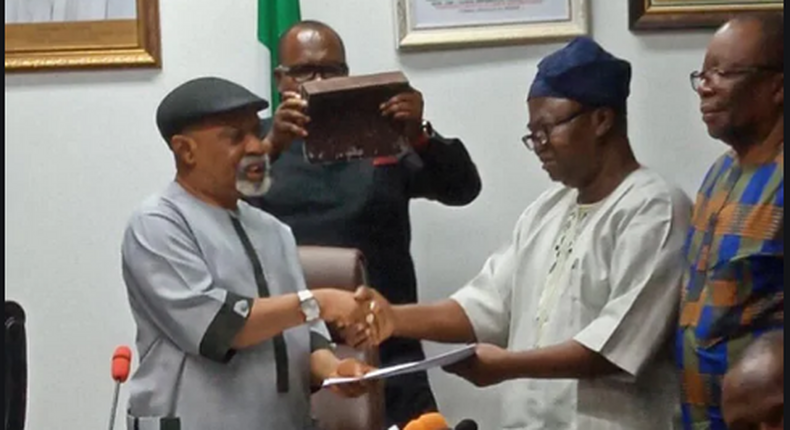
x=549 y=107
x=312 y=37
x=737 y=42
x=308 y=45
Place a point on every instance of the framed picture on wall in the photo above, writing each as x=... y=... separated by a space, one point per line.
x=676 y=14
x=46 y=35
x=448 y=24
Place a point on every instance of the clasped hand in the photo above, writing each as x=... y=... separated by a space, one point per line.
x=364 y=319
x=369 y=320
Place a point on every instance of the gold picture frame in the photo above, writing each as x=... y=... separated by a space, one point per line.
x=519 y=24
x=692 y=14
x=81 y=45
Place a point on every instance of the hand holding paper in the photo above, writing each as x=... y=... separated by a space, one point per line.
x=353 y=369
x=484 y=367
x=442 y=360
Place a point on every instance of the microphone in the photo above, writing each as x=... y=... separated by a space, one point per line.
x=434 y=421
x=16 y=369
x=466 y=425
x=429 y=421
x=121 y=362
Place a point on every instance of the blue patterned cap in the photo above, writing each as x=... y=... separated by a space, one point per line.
x=583 y=71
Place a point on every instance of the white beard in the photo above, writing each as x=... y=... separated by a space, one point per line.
x=249 y=188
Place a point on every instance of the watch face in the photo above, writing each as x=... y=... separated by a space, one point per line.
x=312 y=308
x=309 y=306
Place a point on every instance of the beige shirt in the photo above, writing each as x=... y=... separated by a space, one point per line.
x=606 y=275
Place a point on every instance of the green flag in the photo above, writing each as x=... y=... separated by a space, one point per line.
x=274 y=17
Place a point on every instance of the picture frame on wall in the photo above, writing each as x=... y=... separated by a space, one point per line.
x=692 y=14
x=454 y=24
x=50 y=35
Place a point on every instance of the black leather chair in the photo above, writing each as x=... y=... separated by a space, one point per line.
x=15 y=367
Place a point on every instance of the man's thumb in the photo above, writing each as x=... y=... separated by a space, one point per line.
x=363 y=294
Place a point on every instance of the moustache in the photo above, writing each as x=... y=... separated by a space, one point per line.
x=248 y=161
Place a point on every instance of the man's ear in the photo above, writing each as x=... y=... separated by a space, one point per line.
x=279 y=77
x=184 y=148
x=604 y=121
x=779 y=92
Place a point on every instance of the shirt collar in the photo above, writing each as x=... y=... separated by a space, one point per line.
x=767 y=151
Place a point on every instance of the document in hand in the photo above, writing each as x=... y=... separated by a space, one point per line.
x=442 y=360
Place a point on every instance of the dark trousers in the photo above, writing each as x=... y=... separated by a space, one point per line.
x=406 y=396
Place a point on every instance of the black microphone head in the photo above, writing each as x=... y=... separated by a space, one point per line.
x=466 y=425
x=14 y=314
x=15 y=367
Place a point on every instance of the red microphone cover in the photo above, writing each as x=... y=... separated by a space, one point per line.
x=414 y=425
x=434 y=421
x=121 y=362
x=430 y=421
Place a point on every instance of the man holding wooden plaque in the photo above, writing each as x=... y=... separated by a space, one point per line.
x=348 y=156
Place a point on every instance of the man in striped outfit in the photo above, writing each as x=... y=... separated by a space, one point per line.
x=734 y=289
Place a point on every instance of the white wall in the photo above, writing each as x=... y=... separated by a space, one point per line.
x=82 y=151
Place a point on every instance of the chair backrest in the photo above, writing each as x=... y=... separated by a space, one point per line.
x=327 y=267
x=15 y=367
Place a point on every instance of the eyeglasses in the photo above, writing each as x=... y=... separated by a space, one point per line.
x=540 y=138
x=715 y=76
x=307 y=72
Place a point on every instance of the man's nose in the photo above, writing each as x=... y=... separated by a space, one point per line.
x=255 y=145
x=705 y=89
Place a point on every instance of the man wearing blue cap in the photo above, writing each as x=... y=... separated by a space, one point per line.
x=573 y=316
x=228 y=335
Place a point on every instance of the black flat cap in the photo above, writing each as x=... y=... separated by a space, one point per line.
x=200 y=98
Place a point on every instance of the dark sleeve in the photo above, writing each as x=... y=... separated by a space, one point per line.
x=318 y=342
x=443 y=171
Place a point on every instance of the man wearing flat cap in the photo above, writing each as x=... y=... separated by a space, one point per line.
x=573 y=316
x=229 y=337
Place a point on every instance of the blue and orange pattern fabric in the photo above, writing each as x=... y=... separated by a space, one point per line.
x=734 y=288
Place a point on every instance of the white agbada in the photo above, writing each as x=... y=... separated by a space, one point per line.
x=607 y=275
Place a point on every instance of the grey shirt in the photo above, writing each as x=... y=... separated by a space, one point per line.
x=191 y=286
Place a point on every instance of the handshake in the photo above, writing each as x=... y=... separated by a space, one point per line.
x=364 y=319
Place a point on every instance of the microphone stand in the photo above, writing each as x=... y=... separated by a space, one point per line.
x=121 y=362
x=114 y=404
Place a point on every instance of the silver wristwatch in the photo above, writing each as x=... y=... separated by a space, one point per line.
x=309 y=306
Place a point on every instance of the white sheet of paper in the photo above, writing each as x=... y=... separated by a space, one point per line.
x=442 y=360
